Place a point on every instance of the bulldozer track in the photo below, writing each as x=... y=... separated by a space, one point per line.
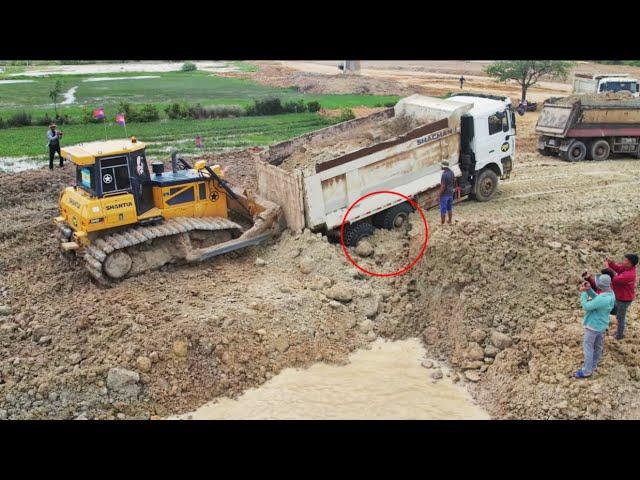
x=96 y=253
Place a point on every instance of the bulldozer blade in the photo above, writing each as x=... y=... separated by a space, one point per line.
x=226 y=247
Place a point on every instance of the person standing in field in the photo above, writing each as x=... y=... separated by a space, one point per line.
x=446 y=192
x=596 y=321
x=199 y=142
x=624 y=288
x=462 y=80
x=53 y=141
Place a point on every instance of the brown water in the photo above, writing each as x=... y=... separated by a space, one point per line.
x=385 y=382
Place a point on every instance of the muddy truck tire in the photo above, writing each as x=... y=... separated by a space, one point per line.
x=600 y=150
x=576 y=152
x=355 y=232
x=485 y=185
x=394 y=217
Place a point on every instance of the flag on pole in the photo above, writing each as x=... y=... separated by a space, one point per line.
x=98 y=113
x=120 y=119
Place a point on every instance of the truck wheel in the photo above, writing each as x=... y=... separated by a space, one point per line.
x=485 y=186
x=394 y=217
x=576 y=152
x=545 y=152
x=600 y=150
x=355 y=232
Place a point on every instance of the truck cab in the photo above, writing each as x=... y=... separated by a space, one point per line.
x=603 y=83
x=613 y=84
x=487 y=142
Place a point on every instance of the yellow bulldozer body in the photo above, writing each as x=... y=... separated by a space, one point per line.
x=86 y=208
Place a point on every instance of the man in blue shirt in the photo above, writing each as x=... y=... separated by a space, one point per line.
x=447 y=182
x=597 y=308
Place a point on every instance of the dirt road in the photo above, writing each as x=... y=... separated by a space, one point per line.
x=439 y=82
x=495 y=297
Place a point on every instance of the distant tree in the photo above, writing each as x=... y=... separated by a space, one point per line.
x=54 y=95
x=528 y=72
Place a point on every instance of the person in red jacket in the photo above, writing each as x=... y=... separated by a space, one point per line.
x=624 y=288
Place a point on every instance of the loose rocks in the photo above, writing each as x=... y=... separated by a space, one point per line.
x=472 y=375
x=364 y=249
x=306 y=265
x=501 y=340
x=123 y=382
x=180 y=348
x=366 y=326
x=340 y=292
x=143 y=363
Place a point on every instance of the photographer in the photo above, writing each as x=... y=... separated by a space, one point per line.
x=53 y=137
x=624 y=288
x=596 y=320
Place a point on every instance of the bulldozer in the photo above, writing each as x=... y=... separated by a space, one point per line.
x=124 y=219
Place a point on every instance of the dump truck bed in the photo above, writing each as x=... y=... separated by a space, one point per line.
x=588 y=114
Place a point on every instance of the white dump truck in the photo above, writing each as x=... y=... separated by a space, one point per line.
x=600 y=83
x=475 y=133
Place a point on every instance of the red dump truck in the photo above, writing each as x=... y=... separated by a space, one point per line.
x=590 y=127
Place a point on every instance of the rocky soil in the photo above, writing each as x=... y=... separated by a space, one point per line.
x=495 y=297
x=168 y=341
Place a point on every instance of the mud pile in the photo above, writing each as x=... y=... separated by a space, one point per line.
x=280 y=76
x=621 y=97
x=172 y=339
x=501 y=303
x=306 y=157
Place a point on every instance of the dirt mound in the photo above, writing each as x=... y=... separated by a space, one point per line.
x=622 y=97
x=308 y=156
x=175 y=338
x=280 y=76
x=501 y=303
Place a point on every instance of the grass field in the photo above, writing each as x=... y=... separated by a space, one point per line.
x=168 y=87
x=168 y=134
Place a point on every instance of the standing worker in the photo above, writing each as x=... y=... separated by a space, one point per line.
x=461 y=80
x=624 y=288
x=446 y=192
x=596 y=321
x=53 y=137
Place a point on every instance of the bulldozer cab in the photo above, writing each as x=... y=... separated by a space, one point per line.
x=111 y=168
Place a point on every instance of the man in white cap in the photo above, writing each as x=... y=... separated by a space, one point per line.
x=597 y=308
x=447 y=182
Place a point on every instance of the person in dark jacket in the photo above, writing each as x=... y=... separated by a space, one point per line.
x=447 y=188
x=624 y=288
x=462 y=80
x=53 y=141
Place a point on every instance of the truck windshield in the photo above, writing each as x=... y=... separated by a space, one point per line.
x=618 y=86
